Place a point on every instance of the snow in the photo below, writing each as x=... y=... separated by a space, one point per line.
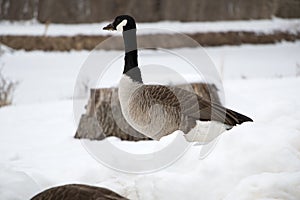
x=259 y=26
x=52 y=75
x=259 y=160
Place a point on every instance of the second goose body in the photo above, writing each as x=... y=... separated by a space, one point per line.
x=157 y=110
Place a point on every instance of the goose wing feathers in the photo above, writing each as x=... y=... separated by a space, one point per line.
x=187 y=104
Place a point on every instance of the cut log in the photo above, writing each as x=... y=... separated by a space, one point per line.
x=103 y=117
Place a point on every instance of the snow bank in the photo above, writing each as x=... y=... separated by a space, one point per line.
x=260 y=26
x=16 y=184
x=251 y=161
x=259 y=160
x=52 y=75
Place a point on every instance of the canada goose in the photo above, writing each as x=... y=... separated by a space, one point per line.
x=78 y=192
x=157 y=110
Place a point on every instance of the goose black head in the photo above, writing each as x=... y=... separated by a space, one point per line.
x=121 y=23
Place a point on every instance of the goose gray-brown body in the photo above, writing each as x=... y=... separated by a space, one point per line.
x=78 y=192
x=157 y=110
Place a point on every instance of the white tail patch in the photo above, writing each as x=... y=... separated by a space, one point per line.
x=121 y=25
x=205 y=131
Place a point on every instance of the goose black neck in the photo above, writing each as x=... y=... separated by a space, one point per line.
x=131 y=56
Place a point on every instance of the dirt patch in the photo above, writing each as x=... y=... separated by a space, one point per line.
x=85 y=42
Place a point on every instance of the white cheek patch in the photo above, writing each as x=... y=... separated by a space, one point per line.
x=121 y=25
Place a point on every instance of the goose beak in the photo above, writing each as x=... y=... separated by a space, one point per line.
x=109 y=27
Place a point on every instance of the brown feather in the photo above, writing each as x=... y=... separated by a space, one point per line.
x=184 y=106
x=78 y=192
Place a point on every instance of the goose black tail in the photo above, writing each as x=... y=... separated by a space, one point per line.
x=236 y=118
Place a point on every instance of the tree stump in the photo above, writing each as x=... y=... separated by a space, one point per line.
x=104 y=118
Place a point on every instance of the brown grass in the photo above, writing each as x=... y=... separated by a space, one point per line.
x=89 y=42
x=7 y=88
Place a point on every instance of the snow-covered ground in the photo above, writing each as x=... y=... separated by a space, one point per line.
x=260 y=26
x=259 y=160
x=51 y=76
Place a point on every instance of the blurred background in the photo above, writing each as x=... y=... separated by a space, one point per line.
x=253 y=44
x=87 y=11
x=43 y=15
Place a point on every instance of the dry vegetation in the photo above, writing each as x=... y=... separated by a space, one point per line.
x=7 y=88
